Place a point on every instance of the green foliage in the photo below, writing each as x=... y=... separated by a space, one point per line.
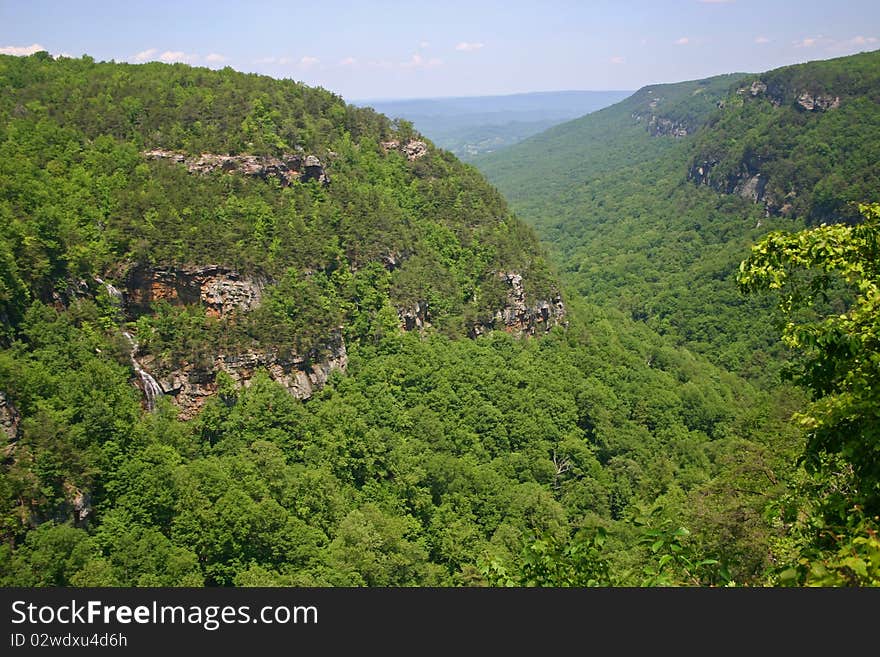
x=628 y=230
x=856 y=562
x=673 y=559
x=548 y=562
x=80 y=200
x=433 y=455
x=838 y=348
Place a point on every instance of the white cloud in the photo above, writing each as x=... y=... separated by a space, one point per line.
x=466 y=46
x=617 y=60
x=836 y=46
x=862 y=41
x=348 y=61
x=762 y=39
x=170 y=56
x=215 y=58
x=21 y=51
x=286 y=61
x=308 y=61
x=683 y=41
x=417 y=61
x=424 y=44
x=145 y=55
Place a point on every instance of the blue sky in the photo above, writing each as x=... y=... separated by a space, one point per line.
x=411 y=49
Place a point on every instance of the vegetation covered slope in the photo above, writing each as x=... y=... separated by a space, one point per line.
x=81 y=200
x=434 y=459
x=651 y=204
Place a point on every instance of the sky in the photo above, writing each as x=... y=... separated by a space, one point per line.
x=416 y=49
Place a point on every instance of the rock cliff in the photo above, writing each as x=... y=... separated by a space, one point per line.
x=10 y=421
x=747 y=176
x=519 y=316
x=191 y=386
x=223 y=293
x=413 y=149
x=286 y=169
x=220 y=290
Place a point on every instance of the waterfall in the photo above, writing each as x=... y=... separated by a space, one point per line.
x=152 y=390
x=112 y=291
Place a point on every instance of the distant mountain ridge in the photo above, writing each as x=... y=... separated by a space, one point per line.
x=470 y=125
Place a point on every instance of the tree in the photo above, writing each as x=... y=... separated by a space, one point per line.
x=828 y=279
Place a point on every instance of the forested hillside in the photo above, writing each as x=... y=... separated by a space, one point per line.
x=672 y=204
x=252 y=335
x=651 y=204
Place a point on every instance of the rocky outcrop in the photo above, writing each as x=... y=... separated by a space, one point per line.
x=747 y=182
x=286 y=169
x=759 y=89
x=78 y=504
x=700 y=171
x=803 y=100
x=220 y=290
x=413 y=149
x=754 y=90
x=519 y=316
x=751 y=187
x=415 y=318
x=817 y=102
x=10 y=423
x=190 y=387
x=392 y=260
x=659 y=125
x=662 y=127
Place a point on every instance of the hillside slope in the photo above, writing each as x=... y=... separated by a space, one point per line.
x=255 y=336
x=651 y=204
x=240 y=193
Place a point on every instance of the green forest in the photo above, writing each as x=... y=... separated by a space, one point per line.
x=251 y=335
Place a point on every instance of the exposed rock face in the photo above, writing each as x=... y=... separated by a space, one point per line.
x=818 y=102
x=10 y=421
x=222 y=291
x=191 y=386
x=314 y=170
x=518 y=316
x=415 y=318
x=748 y=182
x=80 y=503
x=287 y=169
x=660 y=127
x=700 y=172
x=752 y=188
x=757 y=88
x=805 y=101
x=392 y=260
x=413 y=149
